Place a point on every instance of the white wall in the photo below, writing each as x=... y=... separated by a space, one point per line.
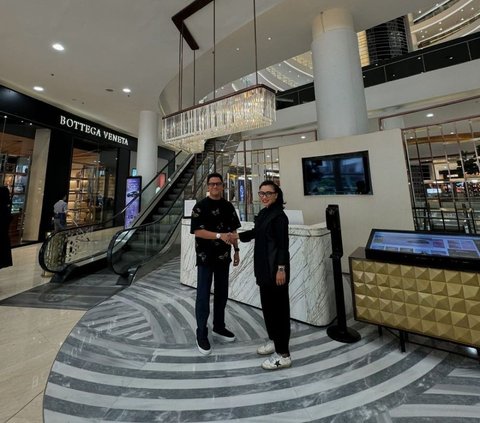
x=389 y=207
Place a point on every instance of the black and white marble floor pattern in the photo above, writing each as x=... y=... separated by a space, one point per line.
x=133 y=359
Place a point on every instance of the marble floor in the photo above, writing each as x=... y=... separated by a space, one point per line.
x=133 y=359
x=30 y=339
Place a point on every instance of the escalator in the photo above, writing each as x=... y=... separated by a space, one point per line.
x=87 y=248
x=132 y=248
x=83 y=248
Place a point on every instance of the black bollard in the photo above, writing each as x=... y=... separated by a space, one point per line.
x=339 y=332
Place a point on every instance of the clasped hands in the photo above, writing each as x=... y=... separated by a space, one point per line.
x=229 y=238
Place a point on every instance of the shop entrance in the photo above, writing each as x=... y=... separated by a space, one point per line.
x=16 y=147
x=92 y=185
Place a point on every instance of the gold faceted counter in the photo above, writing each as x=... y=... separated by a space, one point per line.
x=440 y=303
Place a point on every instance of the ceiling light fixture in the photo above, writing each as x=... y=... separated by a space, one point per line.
x=58 y=47
x=127 y=90
x=430 y=115
x=250 y=108
x=38 y=88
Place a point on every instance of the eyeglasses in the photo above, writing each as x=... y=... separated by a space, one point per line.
x=215 y=184
x=267 y=194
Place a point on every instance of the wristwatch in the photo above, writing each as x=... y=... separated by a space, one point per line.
x=218 y=236
x=236 y=249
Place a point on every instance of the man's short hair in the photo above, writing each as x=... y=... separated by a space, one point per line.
x=214 y=175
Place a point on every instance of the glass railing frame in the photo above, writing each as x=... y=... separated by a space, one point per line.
x=114 y=245
x=294 y=93
x=80 y=233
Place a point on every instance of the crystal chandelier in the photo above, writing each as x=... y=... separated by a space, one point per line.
x=250 y=108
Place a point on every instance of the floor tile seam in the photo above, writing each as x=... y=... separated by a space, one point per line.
x=442 y=388
x=105 y=349
x=466 y=373
x=99 y=323
x=21 y=365
x=115 y=324
x=437 y=410
x=306 y=369
x=24 y=406
x=362 y=399
x=295 y=341
x=310 y=387
x=185 y=404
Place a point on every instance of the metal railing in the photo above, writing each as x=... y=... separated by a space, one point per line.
x=130 y=248
x=72 y=246
x=428 y=59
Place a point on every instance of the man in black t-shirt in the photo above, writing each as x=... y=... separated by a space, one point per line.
x=213 y=218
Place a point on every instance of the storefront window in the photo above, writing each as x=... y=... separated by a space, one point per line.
x=16 y=147
x=92 y=186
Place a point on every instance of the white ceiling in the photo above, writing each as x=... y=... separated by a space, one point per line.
x=112 y=44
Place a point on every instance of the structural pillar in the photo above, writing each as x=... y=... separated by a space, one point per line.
x=339 y=91
x=147 y=145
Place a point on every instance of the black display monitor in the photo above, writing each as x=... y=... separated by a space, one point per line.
x=445 y=250
x=339 y=174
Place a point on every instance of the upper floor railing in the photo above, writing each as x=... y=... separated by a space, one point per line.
x=432 y=58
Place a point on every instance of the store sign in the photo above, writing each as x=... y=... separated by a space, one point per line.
x=92 y=130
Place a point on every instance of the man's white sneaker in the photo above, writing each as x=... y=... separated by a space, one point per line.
x=267 y=348
x=276 y=361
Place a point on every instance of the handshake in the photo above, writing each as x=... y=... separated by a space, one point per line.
x=229 y=238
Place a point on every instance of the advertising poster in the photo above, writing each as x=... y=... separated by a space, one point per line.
x=134 y=187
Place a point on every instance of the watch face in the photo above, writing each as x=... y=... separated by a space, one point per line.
x=218 y=236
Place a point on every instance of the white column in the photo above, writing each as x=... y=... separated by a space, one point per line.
x=339 y=91
x=147 y=145
x=36 y=185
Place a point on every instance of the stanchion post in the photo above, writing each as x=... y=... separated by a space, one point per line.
x=339 y=332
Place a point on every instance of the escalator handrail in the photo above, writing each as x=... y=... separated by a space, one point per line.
x=117 y=235
x=89 y=227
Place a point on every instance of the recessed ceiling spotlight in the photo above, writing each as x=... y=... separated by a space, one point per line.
x=58 y=47
x=429 y=115
x=303 y=137
x=269 y=38
x=238 y=49
x=38 y=88
x=127 y=90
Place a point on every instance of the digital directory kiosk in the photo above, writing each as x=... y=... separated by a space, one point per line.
x=419 y=282
x=444 y=250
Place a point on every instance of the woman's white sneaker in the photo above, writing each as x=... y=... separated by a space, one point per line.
x=276 y=361
x=267 y=348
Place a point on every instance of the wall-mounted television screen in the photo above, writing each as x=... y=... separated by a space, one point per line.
x=339 y=174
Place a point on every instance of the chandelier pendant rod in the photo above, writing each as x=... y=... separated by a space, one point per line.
x=214 y=49
x=255 y=40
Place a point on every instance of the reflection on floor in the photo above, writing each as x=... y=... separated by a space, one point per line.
x=133 y=359
x=81 y=293
x=30 y=340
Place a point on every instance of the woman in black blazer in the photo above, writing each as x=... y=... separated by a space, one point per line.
x=271 y=263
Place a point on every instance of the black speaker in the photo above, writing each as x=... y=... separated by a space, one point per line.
x=339 y=332
x=332 y=215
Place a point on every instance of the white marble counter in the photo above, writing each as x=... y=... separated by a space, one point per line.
x=312 y=297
